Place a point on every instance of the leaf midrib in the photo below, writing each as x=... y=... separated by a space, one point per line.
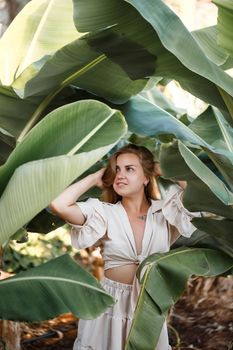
x=50 y=278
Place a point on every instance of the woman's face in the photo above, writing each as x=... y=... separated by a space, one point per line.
x=130 y=177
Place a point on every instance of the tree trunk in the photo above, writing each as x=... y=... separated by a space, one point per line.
x=10 y=333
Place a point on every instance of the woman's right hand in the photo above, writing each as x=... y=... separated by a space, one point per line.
x=98 y=178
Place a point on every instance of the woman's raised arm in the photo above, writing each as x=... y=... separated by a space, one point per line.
x=65 y=204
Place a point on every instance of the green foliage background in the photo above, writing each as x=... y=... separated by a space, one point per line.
x=84 y=79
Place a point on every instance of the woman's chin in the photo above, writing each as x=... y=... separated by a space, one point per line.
x=120 y=191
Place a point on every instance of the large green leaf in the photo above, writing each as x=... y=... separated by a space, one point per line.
x=124 y=52
x=225 y=26
x=51 y=289
x=207 y=127
x=89 y=128
x=139 y=52
x=206 y=38
x=155 y=96
x=81 y=65
x=198 y=196
x=163 y=42
x=223 y=160
x=206 y=175
x=226 y=129
x=209 y=130
x=146 y=118
x=14 y=112
x=163 y=282
x=34 y=184
x=44 y=222
x=77 y=127
x=220 y=229
x=202 y=239
x=7 y=144
x=133 y=45
x=45 y=29
x=175 y=37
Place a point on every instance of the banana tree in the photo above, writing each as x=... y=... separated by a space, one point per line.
x=50 y=96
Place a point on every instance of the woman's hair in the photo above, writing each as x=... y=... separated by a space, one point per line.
x=147 y=162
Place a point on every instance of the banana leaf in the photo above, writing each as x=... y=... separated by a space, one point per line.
x=60 y=69
x=76 y=127
x=15 y=112
x=207 y=127
x=38 y=17
x=146 y=118
x=7 y=144
x=225 y=26
x=174 y=36
x=51 y=289
x=202 y=239
x=55 y=72
x=224 y=163
x=41 y=172
x=216 y=185
x=156 y=97
x=207 y=38
x=163 y=278
x=166 y=43
x=79 y=64
x=198 y=196
x=207 y=131
x=44 y=222
x=220 y=230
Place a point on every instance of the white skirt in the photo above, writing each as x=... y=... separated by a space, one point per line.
x=110 y=330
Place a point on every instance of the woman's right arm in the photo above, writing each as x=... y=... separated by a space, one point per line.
x=65 y=204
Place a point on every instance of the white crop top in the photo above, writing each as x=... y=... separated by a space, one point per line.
x=109 y=224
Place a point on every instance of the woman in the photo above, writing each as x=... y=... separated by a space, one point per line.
x=130 y=223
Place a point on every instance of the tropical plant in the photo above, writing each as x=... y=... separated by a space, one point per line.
x=69 y=90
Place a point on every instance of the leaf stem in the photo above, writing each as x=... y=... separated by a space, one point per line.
x=139 y=302
x=36 y=115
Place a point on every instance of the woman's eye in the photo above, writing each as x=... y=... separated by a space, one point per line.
x=130 y=169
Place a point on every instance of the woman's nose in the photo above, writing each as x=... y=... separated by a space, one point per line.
x=120 y=175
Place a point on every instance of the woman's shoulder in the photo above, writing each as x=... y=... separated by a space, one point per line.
x=97 y=202
x=111 y=206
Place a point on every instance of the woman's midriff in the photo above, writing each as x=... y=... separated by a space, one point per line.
x=122 y=274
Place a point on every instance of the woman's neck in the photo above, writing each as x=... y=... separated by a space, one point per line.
x=135 y=205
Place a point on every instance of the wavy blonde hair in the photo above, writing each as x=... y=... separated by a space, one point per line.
x=147 y=162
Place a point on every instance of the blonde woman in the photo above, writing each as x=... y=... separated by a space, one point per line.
x=130 y=223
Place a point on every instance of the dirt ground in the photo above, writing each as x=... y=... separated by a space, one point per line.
x=201 y=320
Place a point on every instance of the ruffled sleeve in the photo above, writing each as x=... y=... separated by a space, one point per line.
x=95 y=226
x=176 y=214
